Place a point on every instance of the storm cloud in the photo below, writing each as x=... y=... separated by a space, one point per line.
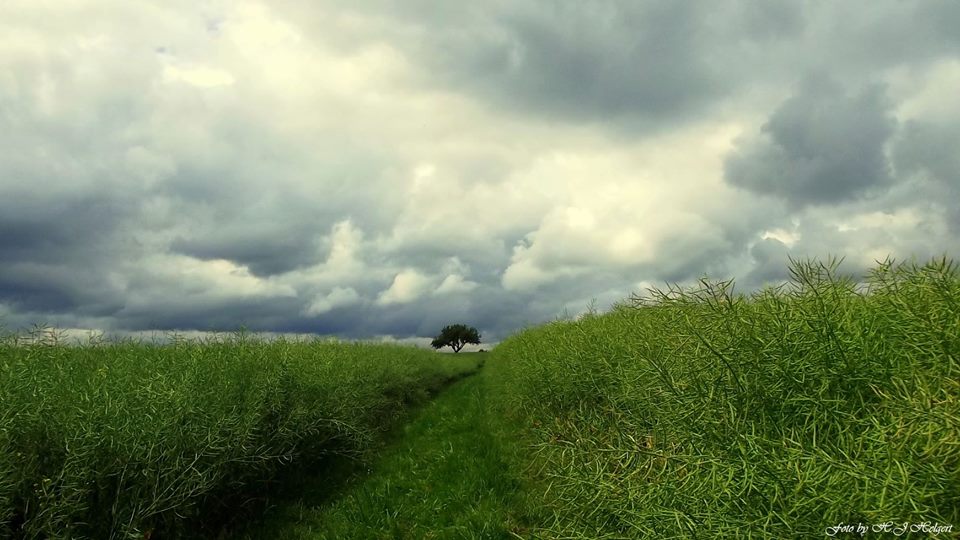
x=378 y=170
x=819 y=146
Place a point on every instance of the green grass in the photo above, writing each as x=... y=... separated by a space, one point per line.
x=448 y=473
x=703 y=413
x=134 y=440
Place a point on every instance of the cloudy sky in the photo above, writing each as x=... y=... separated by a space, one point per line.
x=382 y=168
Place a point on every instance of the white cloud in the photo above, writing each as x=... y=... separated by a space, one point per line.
x=455 y=283
x=196 y=280
x=651 y=201
x=422 y=342
x=198 y=75
x=787 y=237
x=338 y=297
x=525 y=274
x=344 y=263
x=928 y=94
x=407 y=286
x=904 y=218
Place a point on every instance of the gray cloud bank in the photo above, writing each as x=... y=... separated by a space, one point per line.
x=370 y=169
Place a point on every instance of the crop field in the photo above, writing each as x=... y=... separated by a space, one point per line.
x=134 y=440
x=703 y=413
x=685 y=413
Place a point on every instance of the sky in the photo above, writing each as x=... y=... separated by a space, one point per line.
x=378 y=169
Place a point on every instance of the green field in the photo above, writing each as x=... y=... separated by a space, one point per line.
x=702 y=413
x=132 y=440
x=687 y=413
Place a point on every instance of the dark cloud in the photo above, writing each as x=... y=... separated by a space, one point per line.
x=592 y=60
x=27 y=293
x=208 y=184
x=638 y=63
x=265 y=252
x=35 y=227
x=642 y=65
x=60 y=288
x=58 y=250
x=821 y=146
x=868 y=37
x=777 y=20
x=930 y=148
x=770 y=263
x=180 y=311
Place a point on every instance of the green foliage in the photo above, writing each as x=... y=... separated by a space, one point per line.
x=127 y=440
x=704 y=413
x=449 y=474
x=456 y=336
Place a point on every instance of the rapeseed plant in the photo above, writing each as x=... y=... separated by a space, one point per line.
x=702 y=412
x=131 y=440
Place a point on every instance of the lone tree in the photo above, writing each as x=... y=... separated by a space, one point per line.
x=456 y=336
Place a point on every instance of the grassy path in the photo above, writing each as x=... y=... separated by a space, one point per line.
x=445 y=475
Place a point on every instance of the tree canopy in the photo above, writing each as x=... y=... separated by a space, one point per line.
x=456 y=336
